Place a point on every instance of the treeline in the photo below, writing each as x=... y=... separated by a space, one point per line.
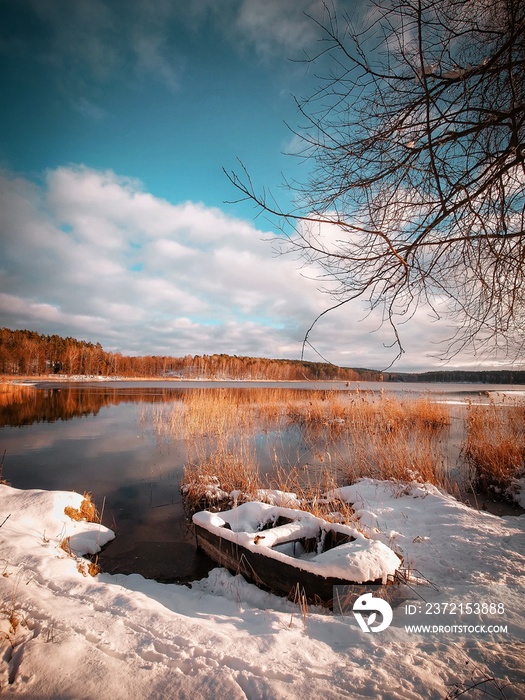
x=25 y=353
x=502 y=376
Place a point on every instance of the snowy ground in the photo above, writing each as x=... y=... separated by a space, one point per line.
x=66 y=634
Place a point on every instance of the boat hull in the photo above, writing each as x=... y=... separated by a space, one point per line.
x=270 y=574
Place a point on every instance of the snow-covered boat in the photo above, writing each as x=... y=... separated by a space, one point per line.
x=287 y=551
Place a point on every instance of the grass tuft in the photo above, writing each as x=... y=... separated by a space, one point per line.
x=65 y=544
x=495 y=446
x=87 y=511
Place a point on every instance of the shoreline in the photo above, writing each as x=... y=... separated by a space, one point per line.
x=460 y=393
x=352 y=383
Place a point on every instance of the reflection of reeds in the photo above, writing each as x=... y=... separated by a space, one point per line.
x=15 y=393
x=495 y=445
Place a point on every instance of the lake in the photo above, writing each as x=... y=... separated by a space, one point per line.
x=100 y=438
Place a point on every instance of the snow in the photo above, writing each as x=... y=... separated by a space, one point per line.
x=209 y=487
x=516 y=491
x=360 y=561
x=275 y=497
x=66 y=634
x=462 y=545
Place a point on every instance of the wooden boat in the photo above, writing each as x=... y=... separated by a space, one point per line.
x=292 y=552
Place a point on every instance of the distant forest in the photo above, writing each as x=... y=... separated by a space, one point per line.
x=27 y=353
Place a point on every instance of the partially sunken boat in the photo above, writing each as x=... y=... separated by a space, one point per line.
x=289 y=551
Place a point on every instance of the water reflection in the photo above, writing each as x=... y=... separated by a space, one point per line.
x=63 y=403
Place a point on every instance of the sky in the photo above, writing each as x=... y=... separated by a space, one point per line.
x=117 y=222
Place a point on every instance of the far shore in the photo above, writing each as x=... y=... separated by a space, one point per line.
x=353 y=383
x=64 y=378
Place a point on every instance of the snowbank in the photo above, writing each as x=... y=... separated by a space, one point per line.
x=70 y=635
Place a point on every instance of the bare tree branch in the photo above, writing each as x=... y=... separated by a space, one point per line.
x=416 y=143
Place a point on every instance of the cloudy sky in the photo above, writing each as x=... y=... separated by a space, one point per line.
x=116 y=219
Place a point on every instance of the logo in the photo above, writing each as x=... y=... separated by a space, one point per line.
x=368 y=604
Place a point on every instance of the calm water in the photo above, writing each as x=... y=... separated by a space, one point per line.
x=93 y=437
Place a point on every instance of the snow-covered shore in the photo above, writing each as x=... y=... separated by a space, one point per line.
x=64 y=633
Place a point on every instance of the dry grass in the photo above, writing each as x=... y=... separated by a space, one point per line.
x=298 y=597
x=209 y=483
x=311 y=493
x=65 y=545
x=495 y=445
x=217 y=430
x=321 y=408
x=14 y=620
x=405 y=453
x=87 y=511
x=84 y=566
x=10 y=612
x=348 y=435
x=389 y=438
x=390 y=414
x=93 y=568
x=213 y=412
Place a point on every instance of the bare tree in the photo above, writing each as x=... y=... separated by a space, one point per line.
x=415 y=139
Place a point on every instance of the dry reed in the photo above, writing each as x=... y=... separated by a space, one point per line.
x=348 y=435
x=311 y=495
x=87 y=511
x=216 y=427
x=389 y=438
x=403 y=453
x=495 y=446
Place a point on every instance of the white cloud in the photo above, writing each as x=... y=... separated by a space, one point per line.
x=89 y=109
x=154 y=60
x=275 y=26
x=90 y=254
x=91 y=248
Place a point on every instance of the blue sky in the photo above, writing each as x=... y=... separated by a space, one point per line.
x=117 y=119
x=167 y=92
